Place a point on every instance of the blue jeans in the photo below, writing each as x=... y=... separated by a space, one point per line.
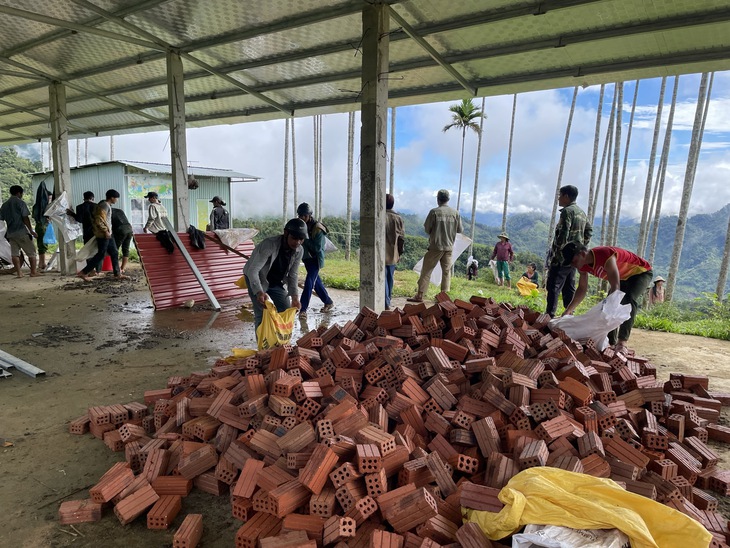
x=278 y=294
x=313 y=281
x=389 y=270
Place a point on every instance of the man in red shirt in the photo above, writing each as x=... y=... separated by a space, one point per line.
x=622 y=269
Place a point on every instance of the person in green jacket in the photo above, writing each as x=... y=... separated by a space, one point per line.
x=313 y=260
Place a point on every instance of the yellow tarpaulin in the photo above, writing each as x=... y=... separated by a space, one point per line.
x=550 y=496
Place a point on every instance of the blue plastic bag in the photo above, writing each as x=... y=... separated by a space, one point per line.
x=49 y=237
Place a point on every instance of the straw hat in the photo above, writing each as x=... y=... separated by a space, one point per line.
x=504 y=235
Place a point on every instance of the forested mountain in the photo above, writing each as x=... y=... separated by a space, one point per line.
x=701 y=254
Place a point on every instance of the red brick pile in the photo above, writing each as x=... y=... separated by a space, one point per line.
x=375 y=433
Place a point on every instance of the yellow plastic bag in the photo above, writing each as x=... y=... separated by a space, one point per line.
x=276 y=328
x=242 y=352
x=550 y=496
x=241 y=282
x=525 y=286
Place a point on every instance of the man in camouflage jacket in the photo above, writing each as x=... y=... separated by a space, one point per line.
x=573 y=226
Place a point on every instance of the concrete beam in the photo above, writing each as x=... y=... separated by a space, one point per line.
x=373 y=154
x=178 y=143
x=61 y=168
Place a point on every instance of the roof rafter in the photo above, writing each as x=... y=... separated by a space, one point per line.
x=320 y=15
x=189 y=57
x=428 y=48
x=39 y=18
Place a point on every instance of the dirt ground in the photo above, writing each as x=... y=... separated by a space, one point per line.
x=102 y=343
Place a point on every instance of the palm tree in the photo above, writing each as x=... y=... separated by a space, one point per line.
x=662 y=173
x=392 y=150
x=476 y=179
x=593 y=206
x=612 y=212
x=720 y=291
x=509 y=164
x=320 y=146
x=626 y=158
x=703 y=101
x=644 y=225
x=350 y=154
x=294 y=164
x=315 y=144
x=596 y=140
x=607 y=148
x=285 y=194
x=463 y=116
x=562 y=166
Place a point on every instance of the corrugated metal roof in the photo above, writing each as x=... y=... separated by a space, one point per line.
x=171 y=281
x=265 y=59
x=152 y=167
x=191 y=170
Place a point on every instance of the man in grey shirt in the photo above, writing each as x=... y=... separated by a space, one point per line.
x=273 y=270
x=442 y=225
x=19 y=232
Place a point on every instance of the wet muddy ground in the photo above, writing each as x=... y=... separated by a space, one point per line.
x=102 y=343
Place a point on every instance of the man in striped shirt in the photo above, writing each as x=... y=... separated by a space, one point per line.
x=622 y=269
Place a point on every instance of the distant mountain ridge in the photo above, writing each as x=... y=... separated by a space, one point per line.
x=699 y=265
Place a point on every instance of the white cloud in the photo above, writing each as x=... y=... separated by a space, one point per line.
x=428 y=159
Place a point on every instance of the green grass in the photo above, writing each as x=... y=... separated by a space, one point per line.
x=341 y=274
x=704 y=317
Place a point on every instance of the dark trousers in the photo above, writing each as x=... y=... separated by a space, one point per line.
x=313 y=281
x=560 y=280
x=635 y=287
x=278 y=295
x=106 y=245
x=389 y=270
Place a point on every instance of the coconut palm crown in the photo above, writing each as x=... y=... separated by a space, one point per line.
x=463 y=117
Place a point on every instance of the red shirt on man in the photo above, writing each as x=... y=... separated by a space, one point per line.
x=629 y=264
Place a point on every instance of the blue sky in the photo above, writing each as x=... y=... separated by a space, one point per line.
x=427 y=159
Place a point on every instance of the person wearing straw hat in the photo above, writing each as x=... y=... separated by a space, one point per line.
x=504 y=255
x=656 y=292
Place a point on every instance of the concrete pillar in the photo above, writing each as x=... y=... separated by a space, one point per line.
x=61 y=168
x=178 y=144
x=373 y=154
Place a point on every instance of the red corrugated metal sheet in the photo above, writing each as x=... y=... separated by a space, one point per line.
x=172 y=282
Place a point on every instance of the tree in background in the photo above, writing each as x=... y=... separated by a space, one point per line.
x=562 y=167
x=476 y=178
x=463 y=116
x=392 y=151
x=643 y=224
x=626 y=159
x=656 y=203
x=612 y=211
x=509 y=164
x=722 y=278
x=703 y=101
x=16 y=170
x=594 y=160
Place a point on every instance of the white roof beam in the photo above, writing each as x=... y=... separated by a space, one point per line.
x=428 y=48
x=205 y=66
x=45 y=19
